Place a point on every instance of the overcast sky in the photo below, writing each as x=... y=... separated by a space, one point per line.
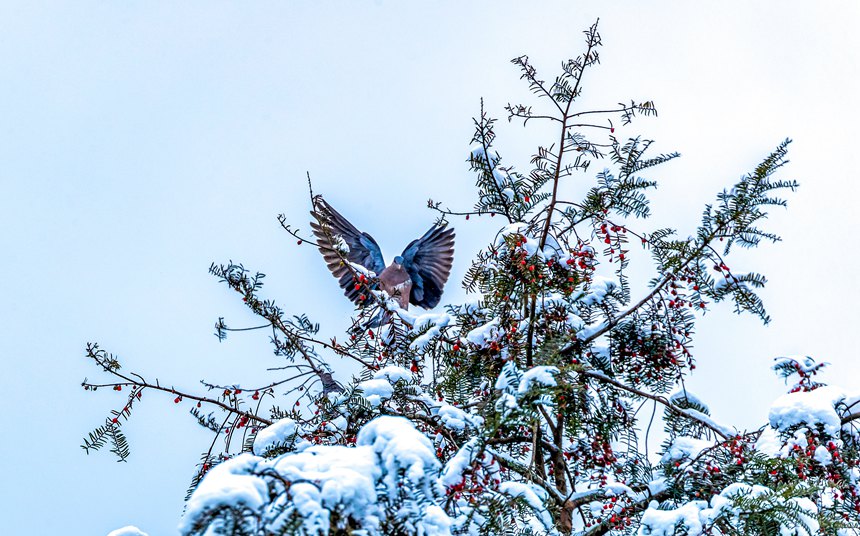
x=140 y=141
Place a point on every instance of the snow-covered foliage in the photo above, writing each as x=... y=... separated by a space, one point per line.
x=127 y=531
x=387 y=482
x=528 y=409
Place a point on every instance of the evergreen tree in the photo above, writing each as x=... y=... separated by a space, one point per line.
x=520 y=411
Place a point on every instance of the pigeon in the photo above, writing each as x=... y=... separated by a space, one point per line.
x=416 y=276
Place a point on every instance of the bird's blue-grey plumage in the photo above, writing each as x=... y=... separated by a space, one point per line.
x=363 y=249
x=428 y=261
x=417 y=276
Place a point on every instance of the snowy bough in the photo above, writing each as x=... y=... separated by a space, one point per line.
x=521 y=411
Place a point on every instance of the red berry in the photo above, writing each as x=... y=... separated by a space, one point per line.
x=467 y=216
x=177 y=400
x=358 y=286
x=299 y=243
x=527 y=199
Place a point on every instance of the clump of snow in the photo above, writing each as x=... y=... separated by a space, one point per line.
x=534 y=497
x=381 y=387
x=284 y=433
x=684 y=397
x=808 y=408
x=452 y=473
x=376 y=391
x=588 y=331
x=685 y=448
x=617 y=489
x=514 y=385
x=455 y=418
x=808 y=517
x=435 y=321
x=478 y=153
x=542 y=375
x=229 y=485
x=769 y=443
x=391 y=461
x=340 y=245
x=431 y=319
x=656 y=522
x=516 y=228
x=399 y=446
x=393 y=374
x=484 y=334
x=402 y=450
x=509 y=378
x=694 y=517
x=823 y=456
x=127 y=531
x=599 y=288
x=362 y=270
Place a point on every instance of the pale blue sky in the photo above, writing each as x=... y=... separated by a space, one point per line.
x=139 y=141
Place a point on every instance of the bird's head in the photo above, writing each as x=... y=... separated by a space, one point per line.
x=398 y=260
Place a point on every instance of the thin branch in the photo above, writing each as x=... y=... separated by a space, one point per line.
x=693 y=415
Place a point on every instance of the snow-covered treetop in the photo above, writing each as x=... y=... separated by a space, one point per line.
x=529 y=408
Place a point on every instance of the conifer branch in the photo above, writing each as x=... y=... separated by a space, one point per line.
x=106 y=363
x=707 y=423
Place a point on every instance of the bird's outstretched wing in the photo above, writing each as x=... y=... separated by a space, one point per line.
x=329 y=227
x=428 y=261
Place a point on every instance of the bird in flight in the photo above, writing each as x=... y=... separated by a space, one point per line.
x=416 y=276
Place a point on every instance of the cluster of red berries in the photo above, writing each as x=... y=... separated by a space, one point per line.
x=475 y=483
x=582 y=257
x=807 y=465
x=611 y=235
x=615 y=511
x=806 y=383
x=738 y=448
x=127 y=408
